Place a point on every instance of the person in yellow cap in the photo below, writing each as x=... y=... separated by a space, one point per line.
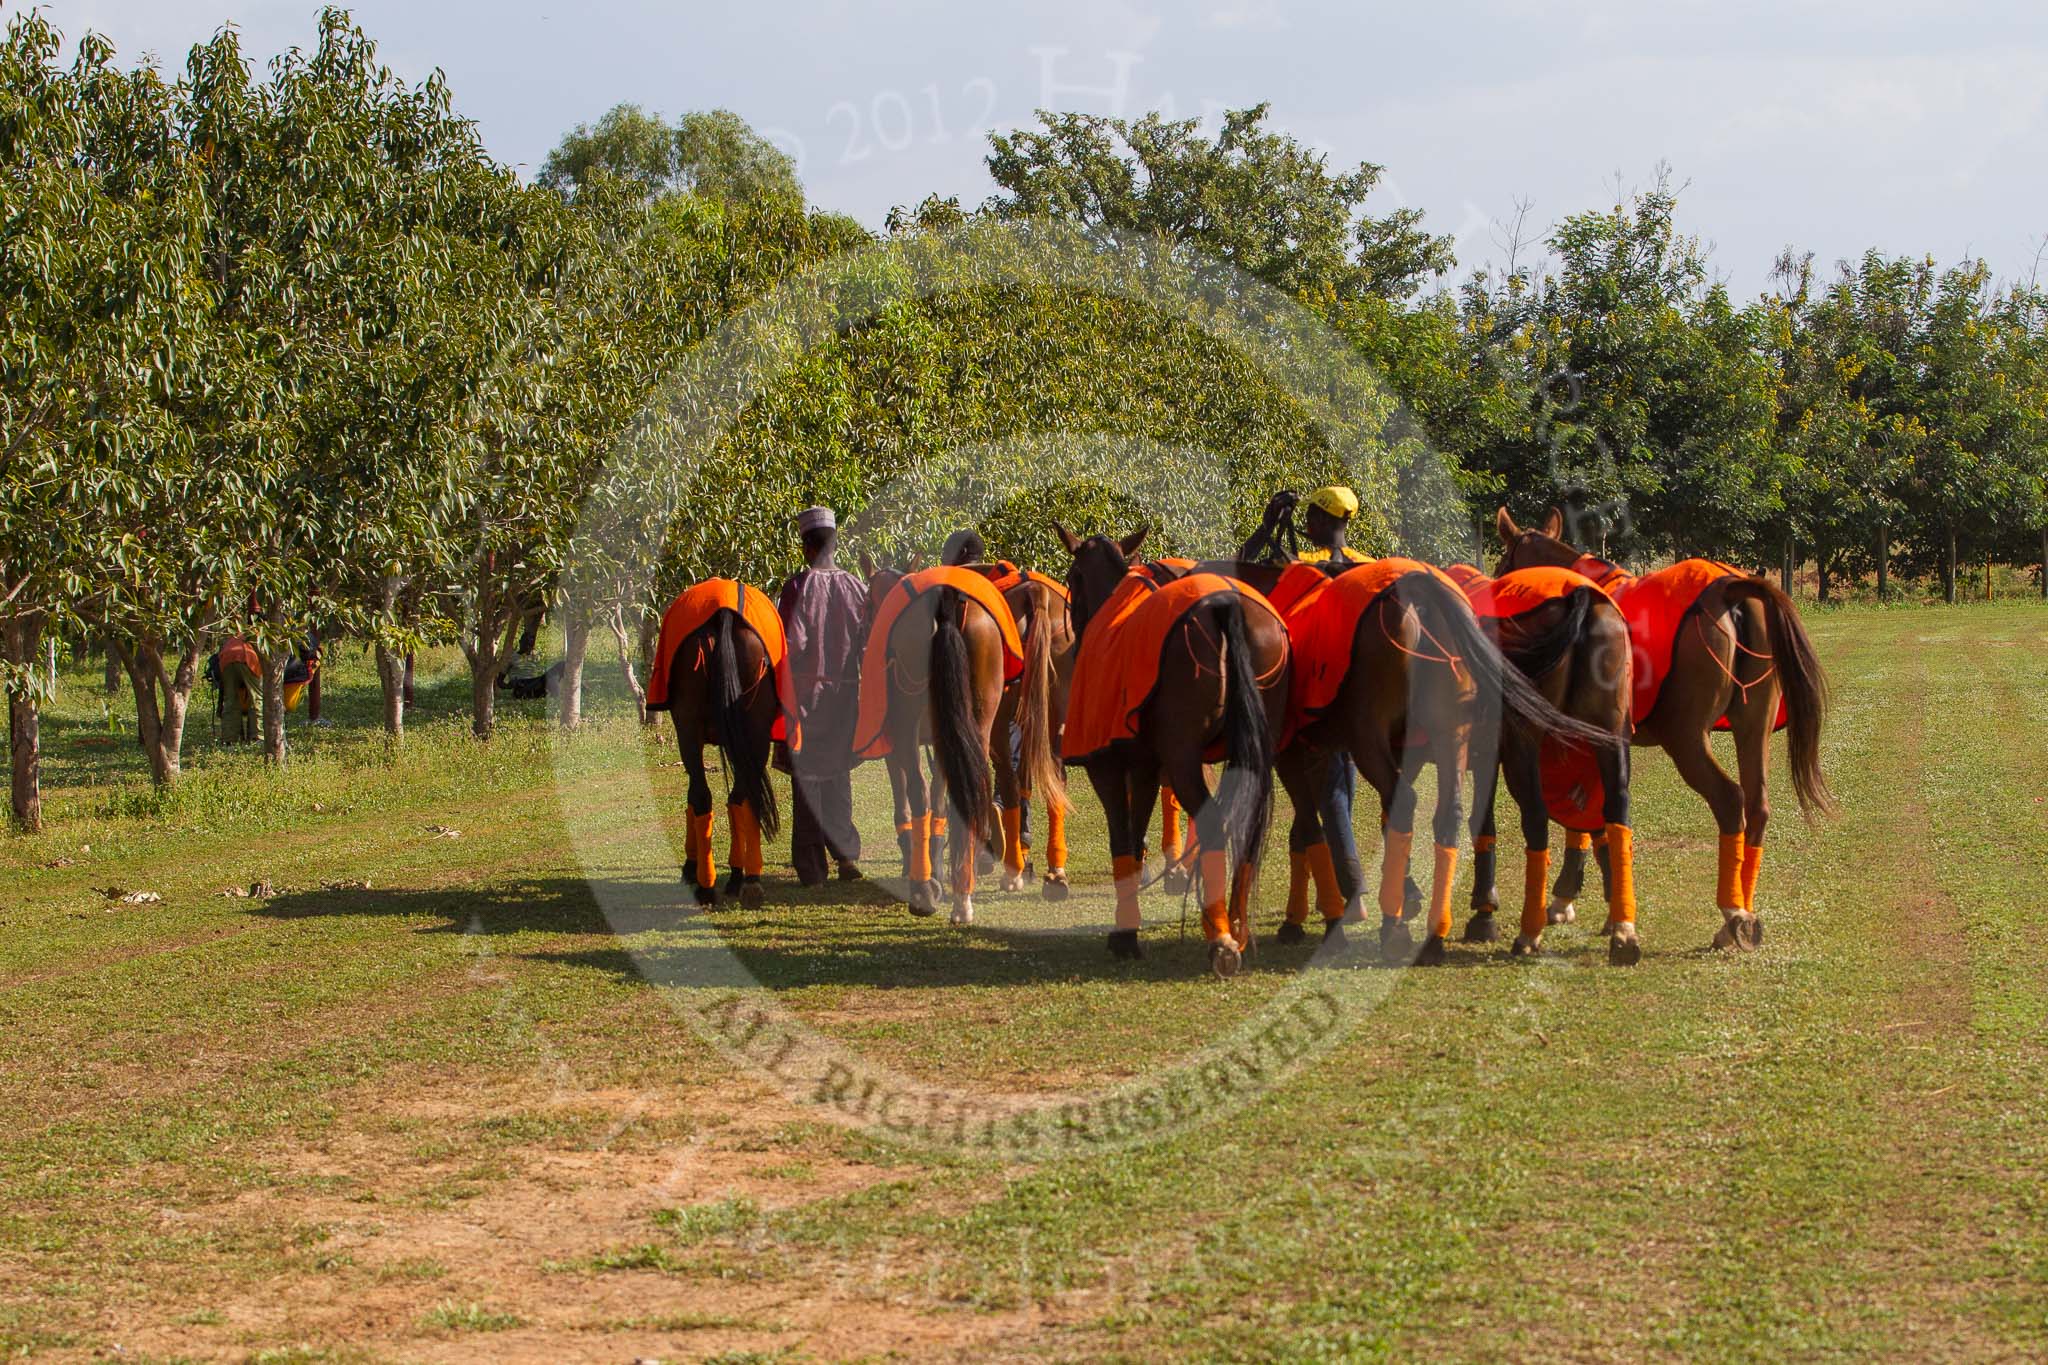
x=1330 y=510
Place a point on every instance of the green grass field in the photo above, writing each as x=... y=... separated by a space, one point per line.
x=422 y=1104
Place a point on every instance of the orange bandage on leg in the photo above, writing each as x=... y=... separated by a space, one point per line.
x=1728 y=885
x=1441 y=879
x=1323 y=868
x=1297 y=888
x=1396 y=844
x=700 y=846
x=1484 y=843
x=1535 y=893
x=746 y=839
x=1013 y=838
x=1056 y=837
x=1752 y=863
x=1169 y=824
x=1126 y=871
x=1621 y=875
x=1578 y=840
x=921 y=848
x=1215 y=896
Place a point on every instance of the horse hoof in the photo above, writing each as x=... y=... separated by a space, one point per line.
x=1224 y=959
x=1482 y=928
x=1030 y=872
x=1525 y=946
x=751 y=895
x=923 y=900
x=1607 y=929
x=1624 y=949
x=1013 y=881
x=1290 y=932
x=707 y=896
x=735 y=883
x=963 y=913
x=984 y=862
x=1123 y=945
x=1054 y=887
x=1354 y=910
x=1397 y=945
x=1563 y=912
x=1176 y=880
x=1432 y=954
x=1741 y=931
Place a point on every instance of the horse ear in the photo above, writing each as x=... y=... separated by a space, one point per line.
x=1130 y=543
x=1067 y=538
x=1505 y=524
x=867 y=565
x=1553 y=525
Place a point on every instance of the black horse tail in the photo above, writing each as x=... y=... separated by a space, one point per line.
x=1536 y=655
x=1448 y=617
x=740 y=744
x=956 y=738
x=1805 y=686
x=1247 y=784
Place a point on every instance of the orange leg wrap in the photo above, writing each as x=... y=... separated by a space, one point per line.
x=1535 y=893
x=1621 y=874
x=1323 y=868
x=1126 y=871
x=1394 y=871
x=1297 y=888
x=1752 y=863
x=1578 y=839
x=1056 y=838
x=700 y=845
x=1484 y=843
x=1440 y=881
x=1728 y=885
x=1169 y=824
x=921 y=848
x=1216 y=896
x=746 y=839
x=1013 y=838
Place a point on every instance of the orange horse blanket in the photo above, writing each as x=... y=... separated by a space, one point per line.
x=1322 y=615
x=869 y=738
x=694 y=610
x=1573 y=794
x=1007 y=576
x=1117 y=667
x=1658 y=606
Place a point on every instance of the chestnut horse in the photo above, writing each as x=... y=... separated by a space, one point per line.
x=1046 y=621
x=721 y=688
x=943 y=665
x=1574 y=647
x=1738 y=651
x=1221 y=682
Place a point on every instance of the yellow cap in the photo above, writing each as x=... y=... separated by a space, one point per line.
x=1339 y=501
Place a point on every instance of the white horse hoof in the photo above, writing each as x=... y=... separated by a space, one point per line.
x=1526 y=946
x=1013 y=881
x=963 y=912
x=1563 y=912
x=1623 y=949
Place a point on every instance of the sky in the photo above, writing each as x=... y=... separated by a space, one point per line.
x=1825 y=125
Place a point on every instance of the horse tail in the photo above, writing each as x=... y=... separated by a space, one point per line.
x=956 y=738
x=1537 y=655
x=1042 y=771
x=1448 y=617
x=1805 y=686
x=1247 y=736
x=744 y=749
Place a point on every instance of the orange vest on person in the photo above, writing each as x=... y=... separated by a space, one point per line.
x=693 y=610
x=1117 y=667
x=870 y=739
x=1573 y=794
x=1657 y=606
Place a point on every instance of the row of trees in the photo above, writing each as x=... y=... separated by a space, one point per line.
x=292 y=352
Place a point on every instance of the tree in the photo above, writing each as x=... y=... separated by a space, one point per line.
x=713 y=153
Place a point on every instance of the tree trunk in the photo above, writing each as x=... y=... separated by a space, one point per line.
x=1786 y=570
x=483 y=699
x=24 y=726
x=162 y=701
x=650 y=639
x=1884 y=562
x=2044 y=562
x=1820 y=565
x=575 y=648
x=274 y=666
x=391 y=677
x=1948 y=569
x=616 y=620
x=113 y=678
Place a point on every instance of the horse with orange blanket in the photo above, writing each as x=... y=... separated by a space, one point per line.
x=1391 y=666
x=1566 y=635
x=1176 y=670
x=1711 y=648
x=1044 y=616
x=942 y=650
x=721 y=672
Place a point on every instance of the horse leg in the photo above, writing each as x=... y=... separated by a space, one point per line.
x=1447 y=750
x=1297 y=769
x=1695 y=762
x=1482 y=927
x=913 y=823
x=1112 y=787
x=1522 y=766
x=1623 y=949
x=1011 y=799
x=1343 y=898
x=1571 y=878
x=1752 y=763
x=702 y=872
x=1171 y=848
x=1185 y=774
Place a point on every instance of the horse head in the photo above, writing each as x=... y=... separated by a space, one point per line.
x=1526 y=549
x=1100 y=563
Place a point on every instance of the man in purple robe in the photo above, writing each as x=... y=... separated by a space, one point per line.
x=821 y=608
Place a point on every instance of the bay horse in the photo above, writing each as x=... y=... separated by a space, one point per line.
x=1221 y=683
x=1562 y=632
x=1045 y=618
x=941 y=652
x=721 y=673
x=1711 y=646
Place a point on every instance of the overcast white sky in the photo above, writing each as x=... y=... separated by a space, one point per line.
x=1830 y=124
